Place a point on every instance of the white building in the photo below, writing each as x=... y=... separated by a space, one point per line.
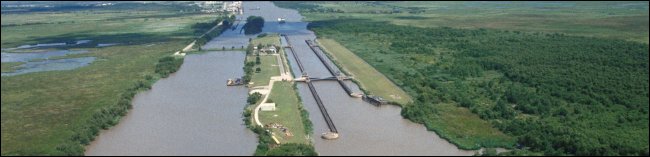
x=267 y=106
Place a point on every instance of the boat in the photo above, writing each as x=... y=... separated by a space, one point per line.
x=330 y=135
x=281 y=20
x=234 y=82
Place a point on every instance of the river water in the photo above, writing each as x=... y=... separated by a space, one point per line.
x=193 y=113
x=364 y=128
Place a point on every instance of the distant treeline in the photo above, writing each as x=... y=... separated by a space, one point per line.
x=81 y=6
x=558 y=94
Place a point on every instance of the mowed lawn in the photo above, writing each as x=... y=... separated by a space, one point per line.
x=273 y=39
x=369 y=78
x=269 y=67
x=268 y=63
x=287 y=113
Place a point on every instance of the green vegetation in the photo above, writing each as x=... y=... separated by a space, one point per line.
x=110 y=115
x=42 y=111
x=253 y=25
x=287 y=114
x=293 y=149
x=368 y=77
x=557 y=94
x=205 y=28
x=254 y=98
x=619 y=20
x=269 y=67
x=57 y=112
x=266 y=40
x=168 y=65
x=10 y=66
x=304 y=114
x=100 y=27
x=267 y=64
x=267 y=147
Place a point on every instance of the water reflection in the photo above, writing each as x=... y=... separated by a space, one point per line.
x=39 y=61
x=51 y=65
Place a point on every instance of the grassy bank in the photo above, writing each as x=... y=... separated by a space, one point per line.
x=368 y=77
x=287 y=113
x=10 y=66
x=268 y=68
x=57 y=112
x=42 y=110
x=268 y=64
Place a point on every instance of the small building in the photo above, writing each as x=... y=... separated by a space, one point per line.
x=270 y=49
x=267 y=106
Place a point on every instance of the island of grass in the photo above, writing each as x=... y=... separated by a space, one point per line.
x=277 y=116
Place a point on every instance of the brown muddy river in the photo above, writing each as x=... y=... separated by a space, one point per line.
x=193 y=113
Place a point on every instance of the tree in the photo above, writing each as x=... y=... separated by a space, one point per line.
x=253 y=25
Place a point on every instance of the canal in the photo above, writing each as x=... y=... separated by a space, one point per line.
x=364 y=128
x=193 y=113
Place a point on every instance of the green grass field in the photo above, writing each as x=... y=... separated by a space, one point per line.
x=41 y=110
x=269 y=67
x=369 y=78
x=10 y=66
x=288 y=113
x=101 y=27
x=273 y=39
x=269 y=63
x=620 y=20
x=466 y=129
x=44 y=109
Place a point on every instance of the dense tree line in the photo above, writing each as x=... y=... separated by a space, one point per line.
x=200 y=28
x=168 y=65
x=110 y=115
x=558 y=94
x=254 y=25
